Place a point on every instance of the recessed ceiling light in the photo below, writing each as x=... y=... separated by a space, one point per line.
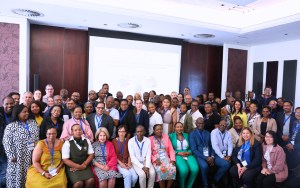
x=27 y=13
x=222 y=5
x=286 y=34
x=204 y=36
x=129 y=25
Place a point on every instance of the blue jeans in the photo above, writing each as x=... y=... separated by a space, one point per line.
x=221 y=163
x=130 y=176
x=3 y=166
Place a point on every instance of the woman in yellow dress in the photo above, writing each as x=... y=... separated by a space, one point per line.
x=48 y=169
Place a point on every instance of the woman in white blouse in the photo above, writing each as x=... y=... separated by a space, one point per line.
x=154 y=117
x=252 y=115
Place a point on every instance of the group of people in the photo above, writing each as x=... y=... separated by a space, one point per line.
x=53 y=140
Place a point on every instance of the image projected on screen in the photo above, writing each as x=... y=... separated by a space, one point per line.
x=134 y=66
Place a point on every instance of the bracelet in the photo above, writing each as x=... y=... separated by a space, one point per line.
x=43 y=173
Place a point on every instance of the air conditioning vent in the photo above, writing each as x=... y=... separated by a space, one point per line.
x=27 y=13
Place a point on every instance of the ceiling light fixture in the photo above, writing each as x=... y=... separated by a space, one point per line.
x=27 y=13
x=129 y=25
x=204 y=36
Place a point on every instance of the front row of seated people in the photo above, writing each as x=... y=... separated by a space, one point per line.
x=157 y=158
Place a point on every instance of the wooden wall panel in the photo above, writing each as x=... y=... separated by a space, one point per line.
x=258 y=75
x=214 y=69
x=272 y=73
x=237 y=70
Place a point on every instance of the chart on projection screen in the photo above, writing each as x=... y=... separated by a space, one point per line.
x=133 y=66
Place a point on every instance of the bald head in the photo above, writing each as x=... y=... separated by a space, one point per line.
x=230 y=101
x=57 y=100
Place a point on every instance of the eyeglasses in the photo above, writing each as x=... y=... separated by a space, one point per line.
x=194 y=105
x=272 y=104
x=268 y=90
x=100 y=108
x=75 y=96
x=297 y=113
x=123 y=104
x=222 y=125
x=252 y=107
x=58 y=100
x=49 y=89
x=92 y=94
x=188 y=98
x=122 y=131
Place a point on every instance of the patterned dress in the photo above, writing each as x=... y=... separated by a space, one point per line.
x=35 y=179
x=15 y=141
x=251 y=121
x=102 y=174
x=166 y=171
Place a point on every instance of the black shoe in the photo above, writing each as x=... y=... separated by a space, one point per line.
x=213 y=185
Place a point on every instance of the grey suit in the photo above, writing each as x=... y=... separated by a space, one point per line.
x=106 y=122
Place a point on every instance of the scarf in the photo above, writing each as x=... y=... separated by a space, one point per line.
x=79 y=141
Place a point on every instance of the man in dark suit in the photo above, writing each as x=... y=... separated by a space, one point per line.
x=284 y=122
x=76 y=96
x=224 y=101
x=99 y=119
x=127 y=118
x=106 y=88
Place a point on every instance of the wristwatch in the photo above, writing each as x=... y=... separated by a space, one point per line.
x=43 y=173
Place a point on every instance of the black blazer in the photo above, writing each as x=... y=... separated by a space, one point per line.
x=280 y=122
x=48 y=122
x=255 y=156
x=144 y=121
x=106 y=122
x=128 y=121
x=108 y=94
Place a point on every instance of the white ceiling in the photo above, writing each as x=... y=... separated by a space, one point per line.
x=260 y=22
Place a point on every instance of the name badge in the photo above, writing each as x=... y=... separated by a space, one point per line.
x=30 y=146
x=244 y=163
x=52 y=170
x=293 y=142
x=141 y=162
x=66 y=118
x=205 y=151
x=224 y=152
x=185 y=158
x=161 y=154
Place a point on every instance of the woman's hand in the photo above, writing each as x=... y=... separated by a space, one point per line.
x=157 y=162
x=48 y=176
x=181 y=154
x=187 y=154
x=263 y=171
x=82 y=166
x=14 y=160
x=57 y=170
x=74 y=169
x=129 y=166
x=243 y=170
x=106 y=168
x=123 y=165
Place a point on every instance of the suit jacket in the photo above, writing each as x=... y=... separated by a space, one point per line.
x=173 y=138
x=108 y=94
x=188 y=123
x=106 y=122
x=297 y=139
x=196 y=144
x=262 y=102
x=280 y=123
x=128 y=120
x=271 y=125
x=144 y=121
x=255 y=156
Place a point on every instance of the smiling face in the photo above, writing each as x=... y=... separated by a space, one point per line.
x=35 y=109
x=287 y=107
x=16 y=99
x=37 y=95
x=186 y=91
x=23 y=116
x=102 y=94
x=130 y=100
x=51 y=134
x=237 y=105
x=8 y=105
x=194 y=106
x=76 y=131
x=27 y=98
x=158 y=131
x=49 y=91
x=180 y=98
x=50 y=102
x=265 y=112
x=70 y=105
x=268 y=91
x=175 y=103
x=151 y=108
x=138 y=104
x=88 y=108
x=119 y=95
x=55 y=112
x=92 y=95
x=106 y=88
x=272 y=105
x=109 y=102
x=200 y=124
x=208 y=108
x=269 y=139
x=77 y=113
x=116 y=105
x=63 y=93
x=122 y=132
x=102 y=137
x=146 y=97
x=166 y=103
x=179 y=128
x=124 y=105
x=100 y=109
x=222 y=125
x=246 y=135
x=297 y=114
x=252 y=108
x=188 y=99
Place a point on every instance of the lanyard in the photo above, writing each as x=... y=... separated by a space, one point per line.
x=123 y=115
x=99 y=121
x=265 y=99
x=103 y=150
x=157 y=108
x=136 y=119
x=164 y=111
x=159 y=141
x=182 y=115
x=285 y=120
x=7 y=118
x=205 y=118
x=296 y=128
x=121 y=150
x=236 y=131
x=222 y=138
x=181 y=142
x=202 y=138
x=26 y=127
x=251 y=117
x=141 y=149
x=51 y=151
x=199 y=105
x=56 y=125
x=81 y=125
x=273 y=114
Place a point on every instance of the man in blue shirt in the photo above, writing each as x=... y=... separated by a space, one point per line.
x=200 y=144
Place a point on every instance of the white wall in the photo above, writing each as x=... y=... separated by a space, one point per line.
x=289 y=50
x=24 y=50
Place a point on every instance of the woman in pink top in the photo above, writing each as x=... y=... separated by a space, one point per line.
x=273 y=163
x=162 y=157
x=77 y=119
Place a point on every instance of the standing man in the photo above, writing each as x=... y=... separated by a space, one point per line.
x=230 y=103
x=280 y=102
x=284 y=122
x=112 y=112
x=15 y=96
x=265 y=98
x=211 y=97
x=57 y=100
x=130 y=101
x=127 y=118
x=224 y=101
x=204 y=97
x=188 y=101
x=49 y=92
x=64 y=95
x=146 y=100
x=101 y=96
x=247 y=107
x=27 y=98
x=201 y=147
x=92 y=99
x=140 y=153
x=273 y=106
x=76 y=96
x=119 y=95
x=251 y=96
x=186 y=91
x=106 y=89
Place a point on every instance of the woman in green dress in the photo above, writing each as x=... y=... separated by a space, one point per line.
x=77 y=154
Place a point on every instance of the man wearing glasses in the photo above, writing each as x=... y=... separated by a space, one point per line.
x=76 y=96
x=92 y=99
x=188 y=101
x=49 y=92
x=264 y=99
x=273 y=106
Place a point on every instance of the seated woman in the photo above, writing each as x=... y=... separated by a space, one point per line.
x=252 y=115
x=263 y=124
x=186 y=119
x=77 y=119
x=105 y=161
x=247 y=157
x=47 y=170
x=162 y=157
x=124 y=161
x=186 y=163
x=35 y=112
x=273 y=163
x=55 y=120
x=77 y=154
x=236 y=130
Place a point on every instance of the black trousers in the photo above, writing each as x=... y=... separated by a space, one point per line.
x=264 y=181
x=246 y=179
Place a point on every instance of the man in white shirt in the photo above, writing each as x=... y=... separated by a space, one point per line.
x=140 y=153
x=112 y=112
x=194 y=112
x=49 y=92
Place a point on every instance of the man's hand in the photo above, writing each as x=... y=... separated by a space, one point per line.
x=290 y=148
x=173 y=163
x=285 y=138
x=157 y=162
x=14 y=160
x=146 y=170
x=210 y=161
